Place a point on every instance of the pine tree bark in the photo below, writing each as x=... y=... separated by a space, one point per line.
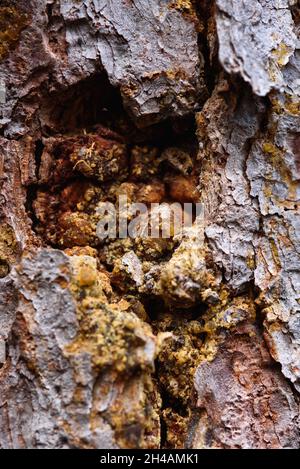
x=181 y=344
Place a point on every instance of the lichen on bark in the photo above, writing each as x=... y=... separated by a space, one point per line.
x=189 y=341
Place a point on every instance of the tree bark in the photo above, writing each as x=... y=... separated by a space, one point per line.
x=183 y=342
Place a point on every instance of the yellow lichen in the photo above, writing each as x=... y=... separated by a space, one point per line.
x=273 y=71
x=275 y=253
x=285 y=103
x=271 y=149
x=277 y=161
x=122 y=349
x=188 y=9
x=221 y=317
x=178 y=356
x=292 y=106
x=282 y=54
x=109 y=331
x=8 y=248
x=251 y=261
x=177 y=428
x=12 y=22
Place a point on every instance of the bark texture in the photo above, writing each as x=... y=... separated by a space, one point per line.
x=185 y=342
